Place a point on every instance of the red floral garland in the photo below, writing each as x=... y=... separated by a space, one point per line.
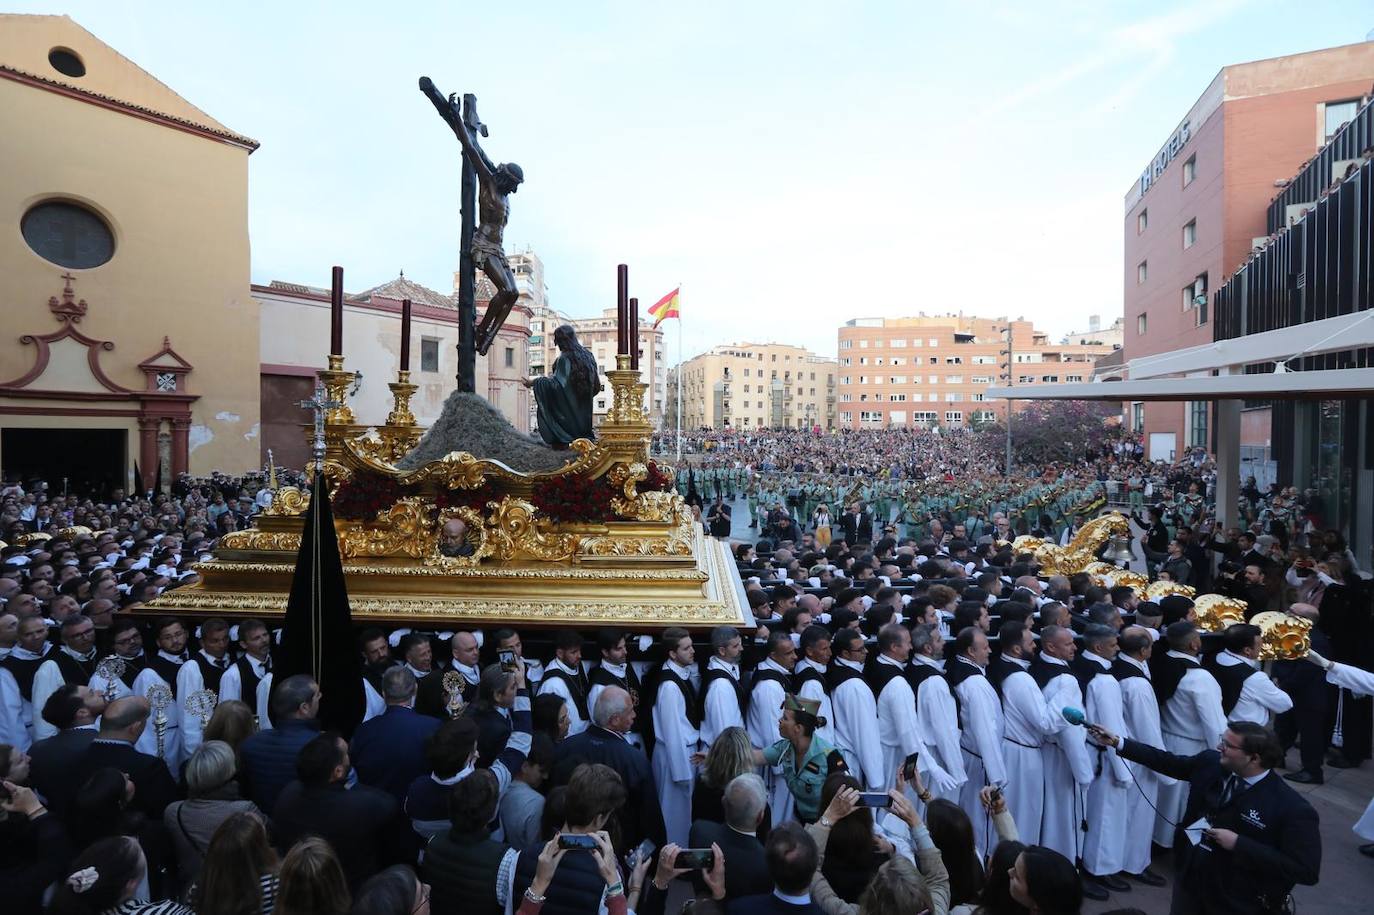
x=364 y=496
x=572 y=498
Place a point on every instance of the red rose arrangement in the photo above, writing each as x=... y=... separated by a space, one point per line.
x=363 y=496
x=571 y=498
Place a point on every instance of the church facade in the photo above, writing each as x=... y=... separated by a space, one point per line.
x=129 y=331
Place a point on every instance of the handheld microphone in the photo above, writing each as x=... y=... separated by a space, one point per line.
x=1075 y=716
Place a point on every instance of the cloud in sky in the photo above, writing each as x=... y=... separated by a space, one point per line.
x=792 y=164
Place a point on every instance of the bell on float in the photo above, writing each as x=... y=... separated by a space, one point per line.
x=1119 y=550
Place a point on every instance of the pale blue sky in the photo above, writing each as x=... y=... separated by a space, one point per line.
x=793 y=164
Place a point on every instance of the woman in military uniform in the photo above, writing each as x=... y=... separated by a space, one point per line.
x=806 y=759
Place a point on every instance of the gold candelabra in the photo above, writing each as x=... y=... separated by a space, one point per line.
x=336 y=382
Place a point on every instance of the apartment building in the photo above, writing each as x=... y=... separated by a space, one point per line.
x=758 y=385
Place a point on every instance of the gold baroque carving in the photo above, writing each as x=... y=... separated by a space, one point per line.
x=404 y=529
x=254 y=539
x=634 y=546
x=519 y=536
x=288 y=502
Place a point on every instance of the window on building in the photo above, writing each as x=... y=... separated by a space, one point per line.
x=898 y=344
x=600 y=406
x=953 y=397
x=1025 y=379
x=1140 y=324
x=813 y=377
x=897 y=418
x=896 y=379
x=775 y=359
x=954 y=416
x=1197 y=423
x=846 y=416
x=844 y=379
x=879 y=397
x=979 y=397
x=1137 y=417
x=510 y=357
x=984 y=360
x=917 y=397
x=925 y=417
x=1050 y=379
x=1142 y=221
x=917 y=342
x=429 y=354
x=933 y=360
x=954 y=379
x=1338 y=114
x=954 y=360
x=900 y=398
x=1073 y=379
x=1190 y=234
x=846 y=398
x=934 y=379
x=846 y=344
x=863 y=398
x=863 y=360
x=981 y=379
x=1141 y=271
x=934 y=342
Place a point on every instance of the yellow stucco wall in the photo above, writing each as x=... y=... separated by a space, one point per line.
x=178 y=206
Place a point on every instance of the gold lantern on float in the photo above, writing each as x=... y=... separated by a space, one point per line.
x=1283 y=636
x=1137 y=580
x=32 y=538
x=76 y=530
x=1215 y=611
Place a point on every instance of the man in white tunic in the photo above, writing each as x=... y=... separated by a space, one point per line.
x=73 y=662
x=677 y=734
x=809 y=675
x=1027 y=722
x=1247 y=693
x=896 y=702
x=1068 y=770
x=1140 y=714
x=564 y=677
x=723 y=697
x=937 y=718
x=1360 y=682
x=856 y=711
x=163 y=669
x=770 y=685
x=127 y=642
x=1190 y=716
x=204 y=670
x=980 y=721
x=1104 y=845
x=241 y=680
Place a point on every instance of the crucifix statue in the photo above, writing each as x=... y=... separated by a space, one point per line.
x=481 y=244
x=321 y=405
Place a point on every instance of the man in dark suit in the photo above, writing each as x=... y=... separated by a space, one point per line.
x=388 y=751
x=1306 y=722
x=113 y=747
x=1258 y=836
x=792 y=858
x=746 y=867
x=363 y=825
x=605 y=741
x=74 y=711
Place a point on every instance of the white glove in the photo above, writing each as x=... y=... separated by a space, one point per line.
x=1318 y=660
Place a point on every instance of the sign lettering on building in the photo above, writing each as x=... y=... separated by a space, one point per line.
x=1166 y=155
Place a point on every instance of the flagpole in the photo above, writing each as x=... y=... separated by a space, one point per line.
x=679 y=374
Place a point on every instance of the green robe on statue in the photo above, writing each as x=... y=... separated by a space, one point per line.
x=563 y=415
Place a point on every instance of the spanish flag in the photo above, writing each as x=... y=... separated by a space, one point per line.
x=665 y=307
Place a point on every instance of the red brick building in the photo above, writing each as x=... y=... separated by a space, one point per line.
x=1196 y=211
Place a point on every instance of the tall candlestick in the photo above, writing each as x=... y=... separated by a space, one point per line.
x=405 y=335
x=634 y=334
x=622 y=308
x=336 y=313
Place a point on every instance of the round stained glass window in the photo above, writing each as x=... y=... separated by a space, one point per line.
x=68 y=234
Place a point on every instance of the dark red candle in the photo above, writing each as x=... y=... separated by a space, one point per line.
x=405 y=335
x=622 y=308
x=336 y=313
x=634 y=334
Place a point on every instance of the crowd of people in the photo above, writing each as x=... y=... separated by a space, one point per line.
x=980 y=736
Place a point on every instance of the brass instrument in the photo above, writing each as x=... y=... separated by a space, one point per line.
x=1080 y=552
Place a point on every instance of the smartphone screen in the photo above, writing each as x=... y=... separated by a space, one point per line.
x=507 y=658
x=909 y=767
x=695 y=859
x=874 y=799
x=640 y=852
x=576 y=841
